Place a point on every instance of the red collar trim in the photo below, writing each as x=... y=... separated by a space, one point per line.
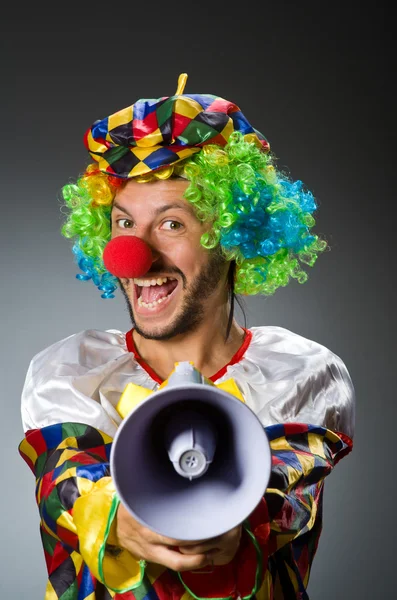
x=235 y=358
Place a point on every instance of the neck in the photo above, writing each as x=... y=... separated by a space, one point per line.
x=206 y=347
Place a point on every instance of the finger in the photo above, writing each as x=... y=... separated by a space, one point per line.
x=199 y=549
x=157 y=539
x=228 y=539
x=192 y=543
x=177 y=561
x=221 y=560
x=214 y=541
x=148 y=535
x=162 y=540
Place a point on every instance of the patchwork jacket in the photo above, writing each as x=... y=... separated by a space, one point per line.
x=301 y=392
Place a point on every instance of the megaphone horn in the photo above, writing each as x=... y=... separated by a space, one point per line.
x=191 y=461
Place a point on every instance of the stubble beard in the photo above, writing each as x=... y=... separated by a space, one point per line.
x=192 y=311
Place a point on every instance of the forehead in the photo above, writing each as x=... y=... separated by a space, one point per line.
x=151 y=194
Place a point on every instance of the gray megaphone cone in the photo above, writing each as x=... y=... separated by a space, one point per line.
x=184 y=427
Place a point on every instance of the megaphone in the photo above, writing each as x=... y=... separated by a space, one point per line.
x=190 y=461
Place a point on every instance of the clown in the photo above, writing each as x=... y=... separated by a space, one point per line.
x=182 y=208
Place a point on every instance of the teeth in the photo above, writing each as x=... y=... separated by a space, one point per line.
x=151 y=304
x=150 y=282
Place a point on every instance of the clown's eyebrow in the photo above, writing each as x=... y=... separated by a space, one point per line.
x=160 y=209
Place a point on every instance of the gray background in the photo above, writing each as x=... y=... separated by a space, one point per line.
x=313 y=77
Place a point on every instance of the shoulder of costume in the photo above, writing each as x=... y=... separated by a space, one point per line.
x=283 y=334
x=293 y=343
x=321 y=375
x=82 y=348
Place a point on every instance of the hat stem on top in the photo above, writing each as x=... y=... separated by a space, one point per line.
x=182 y=79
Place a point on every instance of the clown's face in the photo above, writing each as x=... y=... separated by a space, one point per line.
x=186 y=284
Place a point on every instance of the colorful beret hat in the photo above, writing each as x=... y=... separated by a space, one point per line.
x=157 y=133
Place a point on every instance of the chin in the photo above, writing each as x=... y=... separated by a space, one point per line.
x=179 y=326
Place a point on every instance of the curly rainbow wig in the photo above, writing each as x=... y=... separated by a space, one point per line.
x=260 y=218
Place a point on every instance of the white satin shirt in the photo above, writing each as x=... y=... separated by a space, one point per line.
x=283 y=377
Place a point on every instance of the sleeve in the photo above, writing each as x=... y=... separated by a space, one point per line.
x=302 y=456
x=321 y=395
x=286 y=378
x=77 y=504
x=333 y=394
x=73 y=381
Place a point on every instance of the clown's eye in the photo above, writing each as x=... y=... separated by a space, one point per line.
x=171 y=225
x=125 y=223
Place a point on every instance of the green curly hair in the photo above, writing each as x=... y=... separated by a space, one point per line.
x=261 y=219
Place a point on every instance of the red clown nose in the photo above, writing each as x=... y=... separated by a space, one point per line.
x=127 y=257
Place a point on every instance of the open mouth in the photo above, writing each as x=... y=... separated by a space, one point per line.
x=151 y=293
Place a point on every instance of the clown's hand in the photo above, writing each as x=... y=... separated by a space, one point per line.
x=146 y=545
x=219 y=551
